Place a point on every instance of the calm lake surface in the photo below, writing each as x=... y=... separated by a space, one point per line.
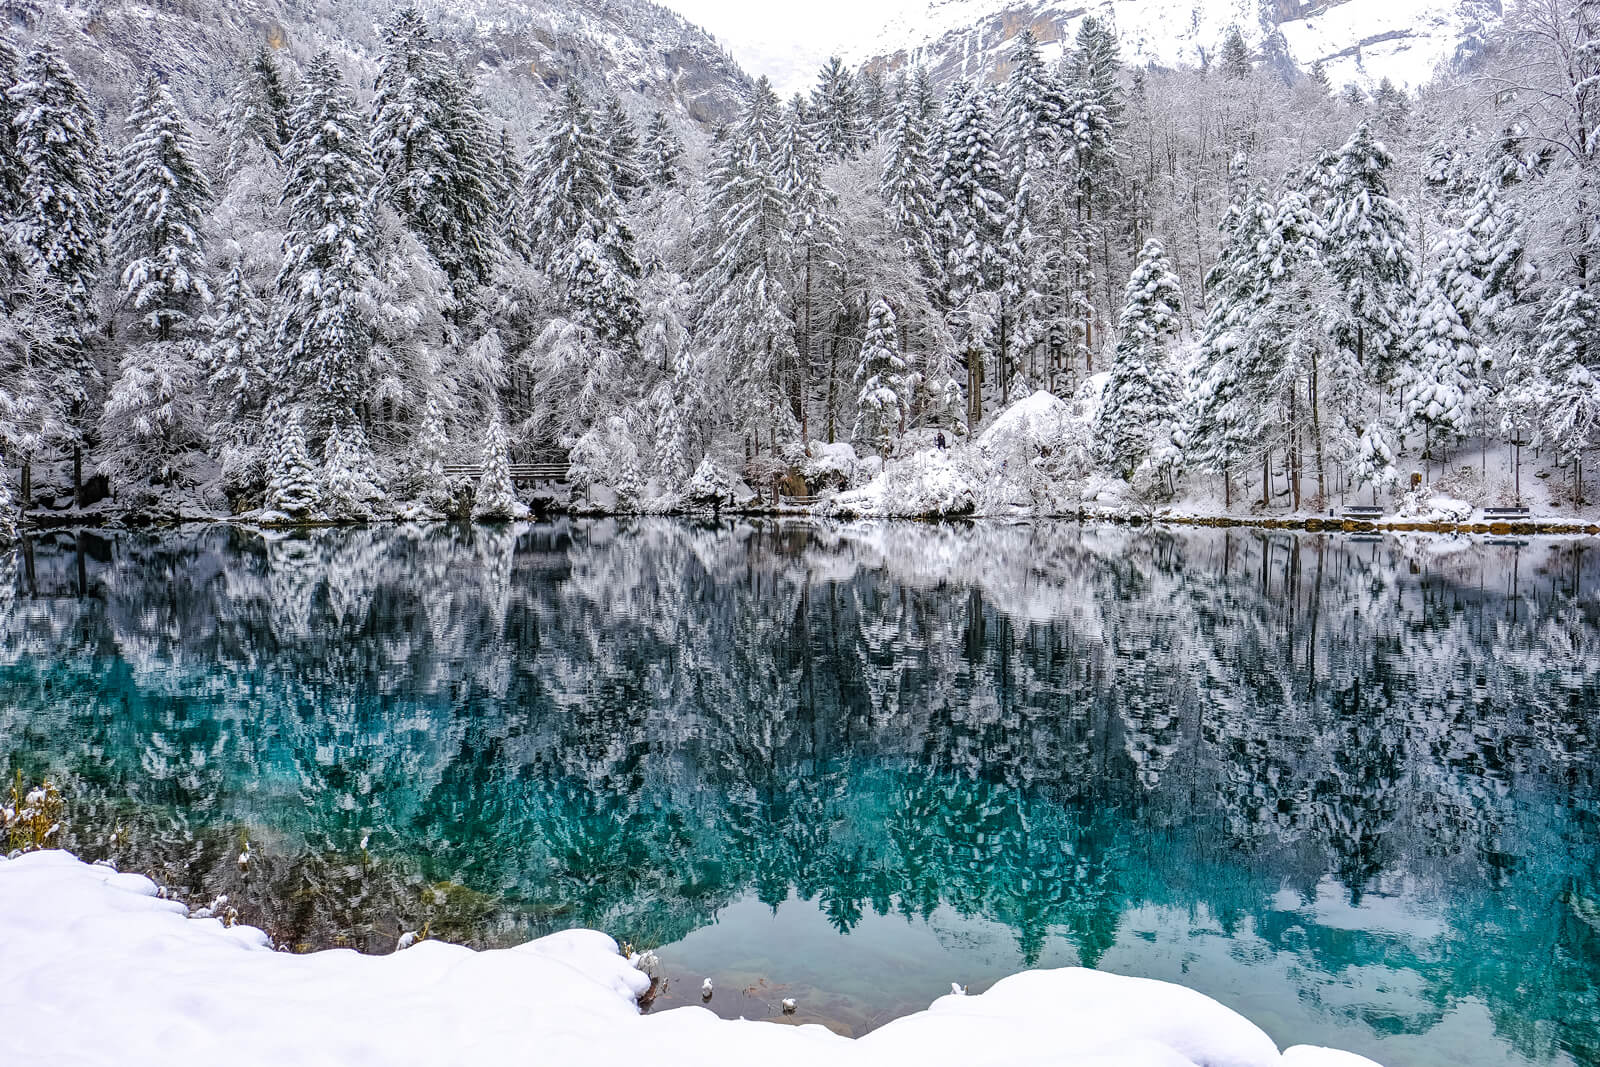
x=1350 y=789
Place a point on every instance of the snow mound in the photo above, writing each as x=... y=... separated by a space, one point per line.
x=1037 y=421
x=99 y=969
x=925 y=485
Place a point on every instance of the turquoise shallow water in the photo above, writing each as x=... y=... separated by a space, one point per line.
x=1349 y=789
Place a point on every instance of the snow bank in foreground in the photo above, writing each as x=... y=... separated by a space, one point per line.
x=99 y=970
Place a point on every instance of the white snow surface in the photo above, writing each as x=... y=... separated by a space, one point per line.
x=100 y=970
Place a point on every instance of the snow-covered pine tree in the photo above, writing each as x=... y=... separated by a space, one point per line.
x=814 y=240
x=1036 y=116
x=1217 y=431
x=1369 y=255
x=59 y=226
x=1567 y=387
x=1391 y=107
x=1374 y=464
x=907 y=187
x=582 y=241
x=622 y=148
x=322 y=333
x=744 y=315
x=432 y=141
x=256 y=116
x=428 y=454
x=662 y=153
x=496 y=496
x=972 y=208
x=1437 y=390
x=61 y=218
x=1139 y=403
x=882 y=378
x=836 y=110
x=233 y=360
x=13 y=168
x=162 y=201
x=1093 y=67
x=348 y=486
x=1235 y=61
x=292 y=485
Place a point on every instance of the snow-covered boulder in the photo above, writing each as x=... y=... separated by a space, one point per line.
x=1033 y=423
x=1424 y=505
x=829 y=466
x=925 y=485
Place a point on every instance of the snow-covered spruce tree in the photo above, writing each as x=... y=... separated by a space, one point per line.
x=511 y=218
x=292 y=483
x=496 y=497
x=582 y=240
x=744 y=318
x=1036 y=131
x=662 y=154
x=162 y=200
x=256 y=116
x=1139 y=404
x=1374 y=464
x=154 y=413
x=1289 y=374
x=622 y=148
x=1218 y=431
x=59 y=226
x=907 y=187
x=1437 y=389
x=322 y=334
x=232 y=361
x=814 y=241
x=432 y=142
x=972 y=205
x=1567 y=389
x=348 y=487
x=1369 y=255
x=428 y=457
x=882 y=378
x=13 y=169
x=836 y=107
x=1235 y=61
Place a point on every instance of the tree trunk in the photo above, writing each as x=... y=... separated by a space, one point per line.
x=833 y=392
x=27 y=484
x=77 y=476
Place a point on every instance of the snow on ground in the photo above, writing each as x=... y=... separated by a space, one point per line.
x=99 y=970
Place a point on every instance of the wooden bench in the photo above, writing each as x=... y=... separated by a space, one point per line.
x=1507 y=514
x=1363 y=512
x=520 y=472
x=797 y=501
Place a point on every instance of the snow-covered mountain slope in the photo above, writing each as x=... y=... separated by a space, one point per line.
x=523 y=48
x=1361 y=41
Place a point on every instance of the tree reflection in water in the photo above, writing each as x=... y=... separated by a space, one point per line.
x=1337 y=759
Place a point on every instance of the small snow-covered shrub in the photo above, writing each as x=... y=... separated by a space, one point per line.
x=292 y=487
x=349 y=476
x=497 y=496
x=712 y=486
x=608 y=454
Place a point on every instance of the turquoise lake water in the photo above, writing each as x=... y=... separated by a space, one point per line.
x=1350 y=789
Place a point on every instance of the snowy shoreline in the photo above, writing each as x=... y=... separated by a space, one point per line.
x=102 y=969
x=1544 y=525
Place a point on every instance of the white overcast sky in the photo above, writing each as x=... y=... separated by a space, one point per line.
x=787 y=41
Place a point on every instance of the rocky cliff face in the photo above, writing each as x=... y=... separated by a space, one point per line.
x=524 y=49
x=1361 y=41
